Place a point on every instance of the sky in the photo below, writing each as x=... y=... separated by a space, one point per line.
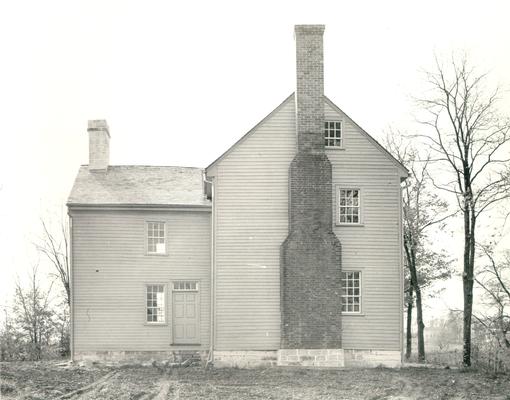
x=180 y=81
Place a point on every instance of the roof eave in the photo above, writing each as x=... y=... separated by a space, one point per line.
x=133 y=206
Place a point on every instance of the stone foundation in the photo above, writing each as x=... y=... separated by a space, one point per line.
x=333 y=358
x=372 y=358
x=143 y=357
x=322 y=358
x=244 y=359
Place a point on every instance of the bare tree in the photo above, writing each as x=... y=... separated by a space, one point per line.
x=422 y=208
x=494 y=279
x=33 y=314
x=470 y=139
x=55 y=247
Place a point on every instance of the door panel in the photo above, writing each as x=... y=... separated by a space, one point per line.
x=185 y=318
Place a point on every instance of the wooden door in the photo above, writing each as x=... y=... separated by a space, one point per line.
x=185 y=317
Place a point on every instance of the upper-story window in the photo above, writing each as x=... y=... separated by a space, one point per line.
x=333 y=134
x=156 y=238
x=349 y=206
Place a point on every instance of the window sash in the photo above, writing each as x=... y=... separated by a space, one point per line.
x=185 y=286
x=156 y=238
x=349 y=206
x=333 y=134
x=351 y=292
x=155 y=304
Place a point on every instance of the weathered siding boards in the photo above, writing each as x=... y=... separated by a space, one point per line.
x=252 y=221
x=256 y=171
x=372 y=248
x=109 y=305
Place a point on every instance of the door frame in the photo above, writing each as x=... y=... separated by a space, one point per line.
x=196 y=290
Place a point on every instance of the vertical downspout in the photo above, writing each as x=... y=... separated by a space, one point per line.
x=210 y=357
x=71 y=306
x=401 y=271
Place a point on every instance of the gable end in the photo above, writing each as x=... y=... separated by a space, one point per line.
x=404 y=173
x=249 y=133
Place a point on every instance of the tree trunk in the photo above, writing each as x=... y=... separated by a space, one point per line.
x=409 y=337
x=68 y=293
x=411 y=261
x=468 y=280
x=421 y=325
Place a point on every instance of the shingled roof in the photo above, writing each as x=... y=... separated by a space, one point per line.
x=139 y=185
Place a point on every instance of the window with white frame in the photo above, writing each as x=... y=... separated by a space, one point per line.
x=349 y=206
x=156 y=238
x=155 y=304
x=185 y=286
x=333 y=134
x=351 y=292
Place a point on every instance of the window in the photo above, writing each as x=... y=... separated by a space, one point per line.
x=185 y=286
x=156 y=238
x=333 y=134
x=349 y=210
x=351 y=292
x=155 y=298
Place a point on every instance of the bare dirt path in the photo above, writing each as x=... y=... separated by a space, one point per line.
x=38 y=381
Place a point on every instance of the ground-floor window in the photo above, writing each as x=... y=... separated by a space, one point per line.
x=155 y=298
x=351 y=292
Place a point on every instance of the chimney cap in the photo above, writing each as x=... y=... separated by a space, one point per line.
x=309 y=29
x=98 y=125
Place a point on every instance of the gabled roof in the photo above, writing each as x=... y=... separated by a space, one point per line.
x=129 y=185
x=399 y=165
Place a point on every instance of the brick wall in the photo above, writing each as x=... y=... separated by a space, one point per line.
x=99 y=145
x=309 y=86
x=311 y=254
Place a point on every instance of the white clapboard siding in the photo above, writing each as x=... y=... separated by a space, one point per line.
x=109 y=305
x=252 y=221
x=374 y=247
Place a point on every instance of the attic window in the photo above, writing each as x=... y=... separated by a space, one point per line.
x=333 y=134
x=156 y=238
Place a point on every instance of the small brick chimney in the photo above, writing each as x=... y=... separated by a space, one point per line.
x=99 y=145
x=310 y=256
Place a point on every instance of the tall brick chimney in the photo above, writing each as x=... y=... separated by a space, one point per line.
x=99 y=145
x=310 y=256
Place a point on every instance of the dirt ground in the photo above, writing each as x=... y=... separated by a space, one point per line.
x=53 y=380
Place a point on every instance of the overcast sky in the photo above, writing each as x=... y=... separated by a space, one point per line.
x=180 y=81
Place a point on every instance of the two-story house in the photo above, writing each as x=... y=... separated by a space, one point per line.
x=285 y=250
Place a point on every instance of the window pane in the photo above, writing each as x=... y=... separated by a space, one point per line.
x=351 y=291
x=156 y=237
x=155 y=303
